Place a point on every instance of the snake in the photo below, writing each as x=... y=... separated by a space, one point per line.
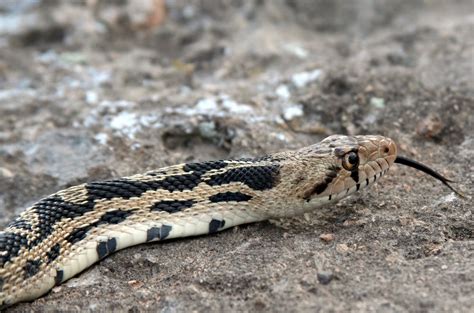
x=65 y=233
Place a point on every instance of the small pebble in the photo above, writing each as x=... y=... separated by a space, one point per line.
x=135 y=283
x=283 y=92
x=304 y=78
x=431 y=126
x=325 y=278
x=342 y=248
x=208 y=130
x=293 y=112
x=327 y=237
x=378 y=103
x=5 y=172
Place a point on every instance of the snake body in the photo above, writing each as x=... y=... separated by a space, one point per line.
x=65 y=233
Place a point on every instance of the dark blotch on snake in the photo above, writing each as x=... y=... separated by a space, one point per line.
x=215 y=225
x=204 y=167
x=112 y=217
x=53 y=253
x=11 y=243
x=229 y=196
x=53 y=209
x=20 y=224
x=127 y=188
x=256 y=177
x=104 y=248
x=112 y=245
x=59 y=277
x=158 y=233
x=31 y=267
x=153 y=233
x=172 y=206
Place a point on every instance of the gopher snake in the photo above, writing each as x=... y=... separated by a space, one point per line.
x=65 y=233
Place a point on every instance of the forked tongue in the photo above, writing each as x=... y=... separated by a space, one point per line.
x=421 y=167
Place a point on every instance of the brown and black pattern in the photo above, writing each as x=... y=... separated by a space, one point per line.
x=181 y=200
x=112 y=217
x=256 y=177
x=52 y=210
x=229 y=196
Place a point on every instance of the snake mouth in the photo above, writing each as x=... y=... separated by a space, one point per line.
x=427 y=170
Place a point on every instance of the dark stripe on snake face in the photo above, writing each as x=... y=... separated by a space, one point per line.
x=256 y=177
x=215 y=225
x=31 y=268
x=172 y=206
x=320 y=187
x=112 y=217
x=53 y=253
x=229 y=196
x=355 y=176
x=158 y=232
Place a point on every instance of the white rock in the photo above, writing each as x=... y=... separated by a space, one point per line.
x=297 y=50
x=101 y=138
x=283 y=92
x=208 y=105
x=92 y=97
x=293 y=112
x=235 y=107
x=304 y=78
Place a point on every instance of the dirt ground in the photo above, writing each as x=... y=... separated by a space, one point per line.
x=104 y=89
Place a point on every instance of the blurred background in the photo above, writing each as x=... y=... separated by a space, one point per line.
x=99 y=88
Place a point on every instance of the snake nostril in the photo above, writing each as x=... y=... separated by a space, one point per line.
x=386 y=149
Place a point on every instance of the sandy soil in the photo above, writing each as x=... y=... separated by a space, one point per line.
x=89 y=92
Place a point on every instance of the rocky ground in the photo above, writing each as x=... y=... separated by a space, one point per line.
x=104 y=89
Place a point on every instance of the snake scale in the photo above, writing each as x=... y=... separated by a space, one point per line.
x=65 y=233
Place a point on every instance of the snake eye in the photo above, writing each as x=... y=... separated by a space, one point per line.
x=350 y=161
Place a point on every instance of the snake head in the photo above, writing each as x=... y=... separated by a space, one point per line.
x=358 y=161
x=355 y=162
